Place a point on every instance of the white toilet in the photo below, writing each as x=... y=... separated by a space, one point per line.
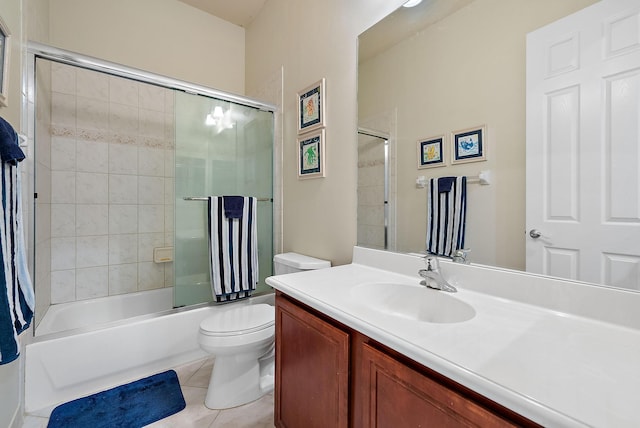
x=241 y=337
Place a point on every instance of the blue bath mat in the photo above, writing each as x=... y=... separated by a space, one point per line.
x=133 y=405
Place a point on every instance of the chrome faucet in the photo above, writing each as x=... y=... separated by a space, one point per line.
x=432 y=276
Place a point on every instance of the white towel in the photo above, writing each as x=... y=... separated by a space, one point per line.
x=233 y=250
x=446 y=215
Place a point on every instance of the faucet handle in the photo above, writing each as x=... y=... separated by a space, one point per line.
x=461 y=256
x=432 y=262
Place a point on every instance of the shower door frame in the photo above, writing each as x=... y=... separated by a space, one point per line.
x=37 y=50
x=385 y=138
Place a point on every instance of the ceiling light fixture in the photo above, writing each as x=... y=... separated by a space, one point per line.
x=214 y=118
x=218 y=113
x=412 y=3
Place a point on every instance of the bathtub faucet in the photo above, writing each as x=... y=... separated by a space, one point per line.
x=433 y=277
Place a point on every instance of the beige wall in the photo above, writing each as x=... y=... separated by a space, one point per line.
x=11 y=375
x=466 y=70
x=10 y=11
x=166 y=37
x=311 y=40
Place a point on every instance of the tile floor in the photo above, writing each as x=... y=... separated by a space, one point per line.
x=194 y=380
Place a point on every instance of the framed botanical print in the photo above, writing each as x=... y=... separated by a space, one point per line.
x=311 y=155
x=311 y=107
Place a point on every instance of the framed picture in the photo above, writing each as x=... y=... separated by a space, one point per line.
x=469 y=145
x=311 y=155
x=5 y=47
x=311 y=101
x=431 y=152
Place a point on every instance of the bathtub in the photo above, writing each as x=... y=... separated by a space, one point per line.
x=85 y=313
x=63 y=366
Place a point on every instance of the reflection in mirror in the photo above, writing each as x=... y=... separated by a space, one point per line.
x=456 y=65
x=376 y=190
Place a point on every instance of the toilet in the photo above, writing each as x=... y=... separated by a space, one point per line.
x=241 y=336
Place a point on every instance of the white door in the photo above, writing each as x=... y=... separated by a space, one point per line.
x=583 y=146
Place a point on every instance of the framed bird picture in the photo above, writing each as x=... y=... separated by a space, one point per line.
x=469 y=145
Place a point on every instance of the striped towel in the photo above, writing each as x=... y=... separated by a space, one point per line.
x=17 y=299
x=446 y=212
x=233 y=247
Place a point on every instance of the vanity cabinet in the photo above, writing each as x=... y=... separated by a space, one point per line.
x=312 y=370
x=328 y=375
x=389 y=393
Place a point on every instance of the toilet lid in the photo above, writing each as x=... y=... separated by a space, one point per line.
x=243 y=319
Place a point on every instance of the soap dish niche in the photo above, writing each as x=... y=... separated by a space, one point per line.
x=163 y=254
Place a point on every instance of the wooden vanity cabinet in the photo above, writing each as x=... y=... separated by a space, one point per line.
x=312 y=369
x=393 y=391
x=328 y=375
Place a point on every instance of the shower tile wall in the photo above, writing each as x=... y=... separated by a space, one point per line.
x=112 y=167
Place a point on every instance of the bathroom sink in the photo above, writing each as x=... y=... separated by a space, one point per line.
x=414 y=302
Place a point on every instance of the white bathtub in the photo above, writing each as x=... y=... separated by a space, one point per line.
x=61 y=367
x=85 y=313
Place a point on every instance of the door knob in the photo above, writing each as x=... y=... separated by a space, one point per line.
x=534 y=234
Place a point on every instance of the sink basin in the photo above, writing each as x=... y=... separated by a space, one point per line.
x=414 y=302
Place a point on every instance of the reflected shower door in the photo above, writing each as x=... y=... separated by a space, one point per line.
x=373 y=191
x=222 y=148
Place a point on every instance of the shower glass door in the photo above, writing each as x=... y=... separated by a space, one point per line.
x=373 y=190
x=222 y=148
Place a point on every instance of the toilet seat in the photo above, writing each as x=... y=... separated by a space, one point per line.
x=239 y=321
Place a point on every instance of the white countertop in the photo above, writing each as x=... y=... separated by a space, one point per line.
x=554 y=368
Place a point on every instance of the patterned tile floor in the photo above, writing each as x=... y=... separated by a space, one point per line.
x=194 y=380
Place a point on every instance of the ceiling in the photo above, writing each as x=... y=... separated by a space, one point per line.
x=403 y=23
x=239 y=12
x=390 y=31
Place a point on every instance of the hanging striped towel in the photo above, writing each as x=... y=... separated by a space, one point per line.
x=233 y=246
x=446 y=212
x=17 y=299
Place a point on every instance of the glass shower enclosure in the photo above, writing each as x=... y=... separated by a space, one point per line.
x=123 y=163
x=222 y=149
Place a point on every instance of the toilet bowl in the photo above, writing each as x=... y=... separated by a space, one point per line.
x=242 y=339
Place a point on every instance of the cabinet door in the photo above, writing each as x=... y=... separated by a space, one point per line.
x=390 y=394
x=312 y=370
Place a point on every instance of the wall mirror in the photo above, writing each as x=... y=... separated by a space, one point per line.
x=429 y=71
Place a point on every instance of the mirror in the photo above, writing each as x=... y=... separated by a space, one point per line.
x=444 y=66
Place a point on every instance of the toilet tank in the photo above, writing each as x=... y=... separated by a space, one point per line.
x=294 y=262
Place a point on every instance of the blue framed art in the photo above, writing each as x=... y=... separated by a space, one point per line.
x=311 y=102
x=431 y=152
x=469 y=145
x=311 y=155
